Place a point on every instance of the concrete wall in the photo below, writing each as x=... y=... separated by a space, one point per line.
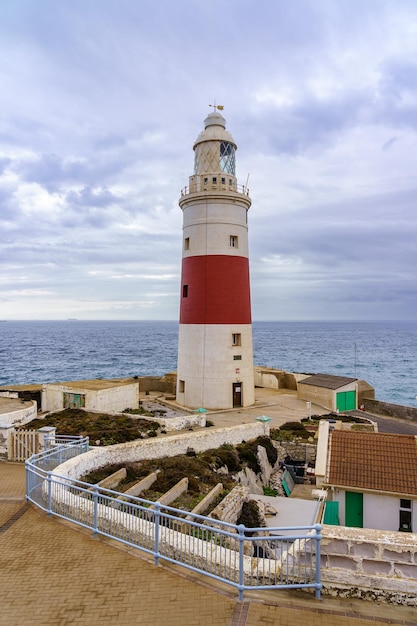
x=277 y=379
x=165 y=384
x=391 y=410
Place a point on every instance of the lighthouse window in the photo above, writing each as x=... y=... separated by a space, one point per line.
x=214 y=180
x=223 y=181
x=233 y=241
x=185 y=291
x=236 y=339
x=237 y=357
x=227 y=157
x=187 y=243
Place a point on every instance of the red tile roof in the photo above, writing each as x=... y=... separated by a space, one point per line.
x=375 y=461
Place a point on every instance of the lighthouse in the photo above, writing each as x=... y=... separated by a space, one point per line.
x=215 y=352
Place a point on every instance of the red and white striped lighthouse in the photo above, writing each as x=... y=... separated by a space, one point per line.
x=215 y=353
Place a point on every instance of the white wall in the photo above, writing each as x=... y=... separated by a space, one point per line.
x=18 y=417
x=380 y=511
x=114 y=399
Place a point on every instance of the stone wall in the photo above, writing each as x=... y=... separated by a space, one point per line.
x=369 y=564
x=143 y=449
x=297 y=450
x=390 y=410
x=229 y=509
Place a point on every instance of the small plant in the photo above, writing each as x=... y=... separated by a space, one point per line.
x=269 y=491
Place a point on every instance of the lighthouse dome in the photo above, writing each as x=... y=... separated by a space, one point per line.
x=215 y=130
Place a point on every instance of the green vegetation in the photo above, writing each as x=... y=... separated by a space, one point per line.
x=108 y=429
x=290 y=431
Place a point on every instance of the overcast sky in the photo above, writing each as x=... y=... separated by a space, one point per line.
x=100 y=104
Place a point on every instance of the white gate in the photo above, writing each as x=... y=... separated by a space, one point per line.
x=23 y=444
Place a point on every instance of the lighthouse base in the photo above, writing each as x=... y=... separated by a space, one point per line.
x=215 y=366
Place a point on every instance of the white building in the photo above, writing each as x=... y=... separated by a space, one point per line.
x=371 y=476
x=92 y=395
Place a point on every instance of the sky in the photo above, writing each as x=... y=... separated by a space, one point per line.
x=102 y=100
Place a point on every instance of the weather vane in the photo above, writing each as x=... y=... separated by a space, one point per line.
x=215 y=106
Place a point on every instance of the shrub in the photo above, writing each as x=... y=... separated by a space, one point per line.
x=249 y=516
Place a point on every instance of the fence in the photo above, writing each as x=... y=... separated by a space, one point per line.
x=246 y=558
x=23 y=443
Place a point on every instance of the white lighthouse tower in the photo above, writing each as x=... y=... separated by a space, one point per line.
x=215 y=353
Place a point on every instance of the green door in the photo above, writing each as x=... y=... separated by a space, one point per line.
x=346 y=401
x=354 y=509
x=331 y=513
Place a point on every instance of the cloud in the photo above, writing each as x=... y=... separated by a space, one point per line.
x=100 y=110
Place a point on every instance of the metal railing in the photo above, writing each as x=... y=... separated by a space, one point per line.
x=246 y=558
x=218 y=186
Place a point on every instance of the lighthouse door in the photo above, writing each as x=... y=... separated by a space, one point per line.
x=237 y=394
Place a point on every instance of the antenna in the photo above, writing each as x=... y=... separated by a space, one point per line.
x=247 y=180
x=355 y=359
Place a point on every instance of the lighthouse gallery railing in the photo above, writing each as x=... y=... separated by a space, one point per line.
x=246 y=558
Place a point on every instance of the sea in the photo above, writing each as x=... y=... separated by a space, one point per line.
x=382 y=353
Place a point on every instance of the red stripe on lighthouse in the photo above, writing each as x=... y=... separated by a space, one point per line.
x=215 y=289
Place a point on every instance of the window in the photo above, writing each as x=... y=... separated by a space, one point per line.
x=187 y=243
x=236 y=339
x=185 y=291
x=405 y=516
x=181 y=386
x=237 y=357
x=223 y=181
x=214 y=180
x=227 y=157
x=233 y=241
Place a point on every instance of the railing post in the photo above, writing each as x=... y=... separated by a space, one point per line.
x=27 y=470
x=95 y=510
x=157 y=515
x=241 y=529
x=49 y=483
x=318 y=538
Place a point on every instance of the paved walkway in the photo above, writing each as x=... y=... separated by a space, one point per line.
x=55 y=574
